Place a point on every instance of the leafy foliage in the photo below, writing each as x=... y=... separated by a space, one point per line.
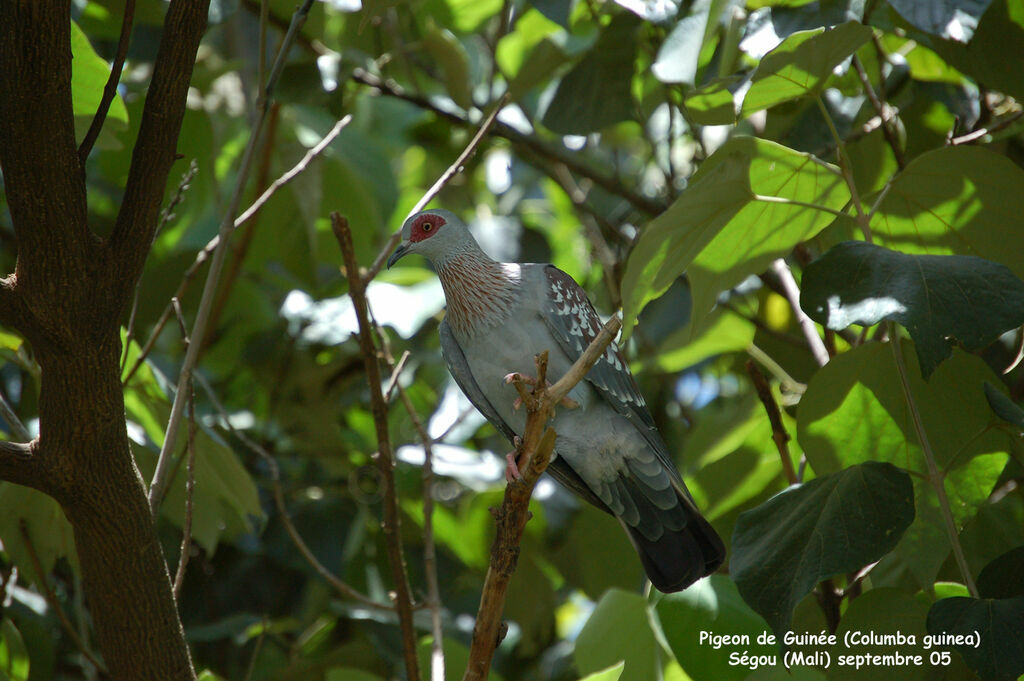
x=719 y=170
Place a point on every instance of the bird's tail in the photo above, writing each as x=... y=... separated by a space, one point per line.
x=679 y=557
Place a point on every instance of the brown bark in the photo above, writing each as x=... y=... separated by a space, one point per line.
x=66 y=297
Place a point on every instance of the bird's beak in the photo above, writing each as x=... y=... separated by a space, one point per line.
x=402 y=249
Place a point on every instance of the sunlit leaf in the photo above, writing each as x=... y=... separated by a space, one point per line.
x=602 y=644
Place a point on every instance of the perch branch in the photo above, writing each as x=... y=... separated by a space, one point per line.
x=110 y=89
x=391 y=522
x=535 y=449
x=779 y=434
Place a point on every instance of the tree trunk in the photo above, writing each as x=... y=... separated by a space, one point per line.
x=67 y=297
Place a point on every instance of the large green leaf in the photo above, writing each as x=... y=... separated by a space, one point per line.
x=712 y=104
x=854 y=410
x=678 y=56
x=938 y=298
x=618 y=630
x=883 y=611
x=714 y=606
x=952 y=19
x=49 y=531
x=1004 y=576
x=833 y=524
x=597 y=91
x=751 y=202
x=801 y=64
x=961 y=200
x=994 y=629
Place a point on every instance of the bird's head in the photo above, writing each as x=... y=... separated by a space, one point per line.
x=434 y=234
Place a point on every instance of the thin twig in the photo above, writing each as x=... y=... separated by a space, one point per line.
x=443 y=180
x=391 y=521
x=779 y=434
x=535 y=451
x=396 y=371
x=159 y=483
x=51 y=598
x=190 y=476
x=810 y=331
x=286 y=519
x=110 y=89
x=863 y=220
x=978 y=134
x=204 y=254
x=883 y=111
x=166 y=216
x=18 y=429
x=935 y=476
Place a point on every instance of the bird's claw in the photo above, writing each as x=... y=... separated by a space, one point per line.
x=512 y=468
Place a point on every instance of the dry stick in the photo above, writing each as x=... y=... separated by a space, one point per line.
x=160 y=476
x=978 y=134
x=110 y=89
x=165 y=217
x=51 y=598
x=779 y=434
x=190 y=478
x=445 y=178
x=785 y=275
x=203 y=255
x=535 y=449
x=935 y=476
x=286 y=519
x=391 y=521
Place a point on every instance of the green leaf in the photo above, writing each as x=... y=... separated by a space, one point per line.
x=597 y=92
x=833 y=524
x=715 y=606
x=602 y=642
x=14 y=659
x=678 y=56
x=1004 y=576
x=49 y=531
x=998 y=41
x=750 y=203
x=883 y=611
x=801 y=64
x=727 y=333
x=961 y=200
x=89 y=74
x=1003 y=406
x=449 y=53
x=613 y=673
x=951 y=19
x=712 y=104
x=936 y=298
x=854 y=410
x=995 y=628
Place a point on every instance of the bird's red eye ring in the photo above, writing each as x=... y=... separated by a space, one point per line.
x=425 y=225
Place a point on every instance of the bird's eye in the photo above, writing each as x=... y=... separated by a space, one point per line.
x=427 y=226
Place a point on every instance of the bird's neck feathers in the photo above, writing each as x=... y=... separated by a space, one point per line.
x=480 y=292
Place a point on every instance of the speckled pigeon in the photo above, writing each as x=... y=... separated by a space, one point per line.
x=608 y=450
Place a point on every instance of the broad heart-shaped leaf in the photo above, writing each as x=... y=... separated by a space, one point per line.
x=713 y=605
x=960 y=200
x=619 y=629
x=801 y=64
x=1004 y=576
x=750 y=203
x=951 y=19
x=596 y=92
x=936 y=297
x=995 y=628
x=833 y=524
x=854 y=410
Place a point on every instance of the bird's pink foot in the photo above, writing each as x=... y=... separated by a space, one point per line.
x=567 y=402
x=512 y=468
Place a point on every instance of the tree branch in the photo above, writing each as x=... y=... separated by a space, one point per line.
x=156 y=146
x=535 y=450
x=391 y=523
x=110 y=89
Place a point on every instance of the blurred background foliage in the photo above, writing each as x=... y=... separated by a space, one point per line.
x=614 y=105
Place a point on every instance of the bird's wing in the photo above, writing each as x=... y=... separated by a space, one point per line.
x=463 y=375
x=574 y=323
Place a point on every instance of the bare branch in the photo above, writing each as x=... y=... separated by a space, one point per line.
x=785 y=275
x=391 y=522
x=779 y=434
x=110 y=89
